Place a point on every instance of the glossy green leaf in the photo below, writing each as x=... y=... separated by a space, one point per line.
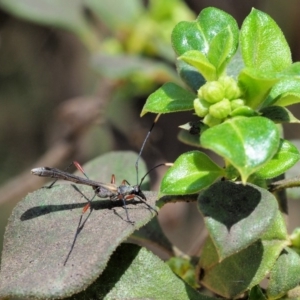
x=230 y=210
x=198 y=60
x=263 y=44
x=285 y=275
x=217 y=55
x=199 y=35
x=186 y=36
x=278 y=114
x=235 y=65
x=189 y=139
x=191 y=172
x=286 y=157
x=292 y=71
x=244 y=111
x=41 y=229
x=256 y=85
x=241 y=271
x=169 y=98
x=190 y=75
x=285 y=92
x=247 y=143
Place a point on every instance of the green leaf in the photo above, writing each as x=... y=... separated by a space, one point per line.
x=244 y=111
x=200 y=34
x=41 y=229
x=230 y=210
x=169 y=98
x=191 y=172
x=189 y=139
x=201 y=63
x=186 y=36
x=256 y=85
x=235 y=65
x=220 y=49
x=285 y=275
x=67 y=14
x=136 y=273
x=184 y=268
x=155 y=279
x=256 y=293
x=241 y=271
x=247 y=143
x=263 y=44
x=278 y=114
x=286 y=157
x=291 y=71
x=190 y=75
x=285 y=92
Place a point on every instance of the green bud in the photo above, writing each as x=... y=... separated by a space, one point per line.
x=212 y=92
x=231 y=88
x=211 y=121
x=295 y=237
x=200 y=94
x=237 y=103
x=220 y=110
x=201 y=107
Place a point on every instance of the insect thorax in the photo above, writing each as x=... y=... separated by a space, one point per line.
x=126 y=189
x=103 y=192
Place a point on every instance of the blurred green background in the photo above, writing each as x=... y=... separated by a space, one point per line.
x=74 y=75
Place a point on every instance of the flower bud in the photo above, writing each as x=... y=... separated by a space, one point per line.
x=211 y=121
x=231 y=88
x=220 y=110
x=237 y=103
x=201 y=107
x=295 y=237
x=212 y=92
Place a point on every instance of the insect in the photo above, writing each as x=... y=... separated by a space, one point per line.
x=123 y=192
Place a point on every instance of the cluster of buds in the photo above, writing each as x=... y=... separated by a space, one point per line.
x=217 y=100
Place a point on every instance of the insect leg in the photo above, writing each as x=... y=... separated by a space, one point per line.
x=124 y=198
x=78 y=229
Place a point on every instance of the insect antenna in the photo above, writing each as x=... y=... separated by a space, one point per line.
x=159 y=165
x=139 y=186
x=142 y=148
